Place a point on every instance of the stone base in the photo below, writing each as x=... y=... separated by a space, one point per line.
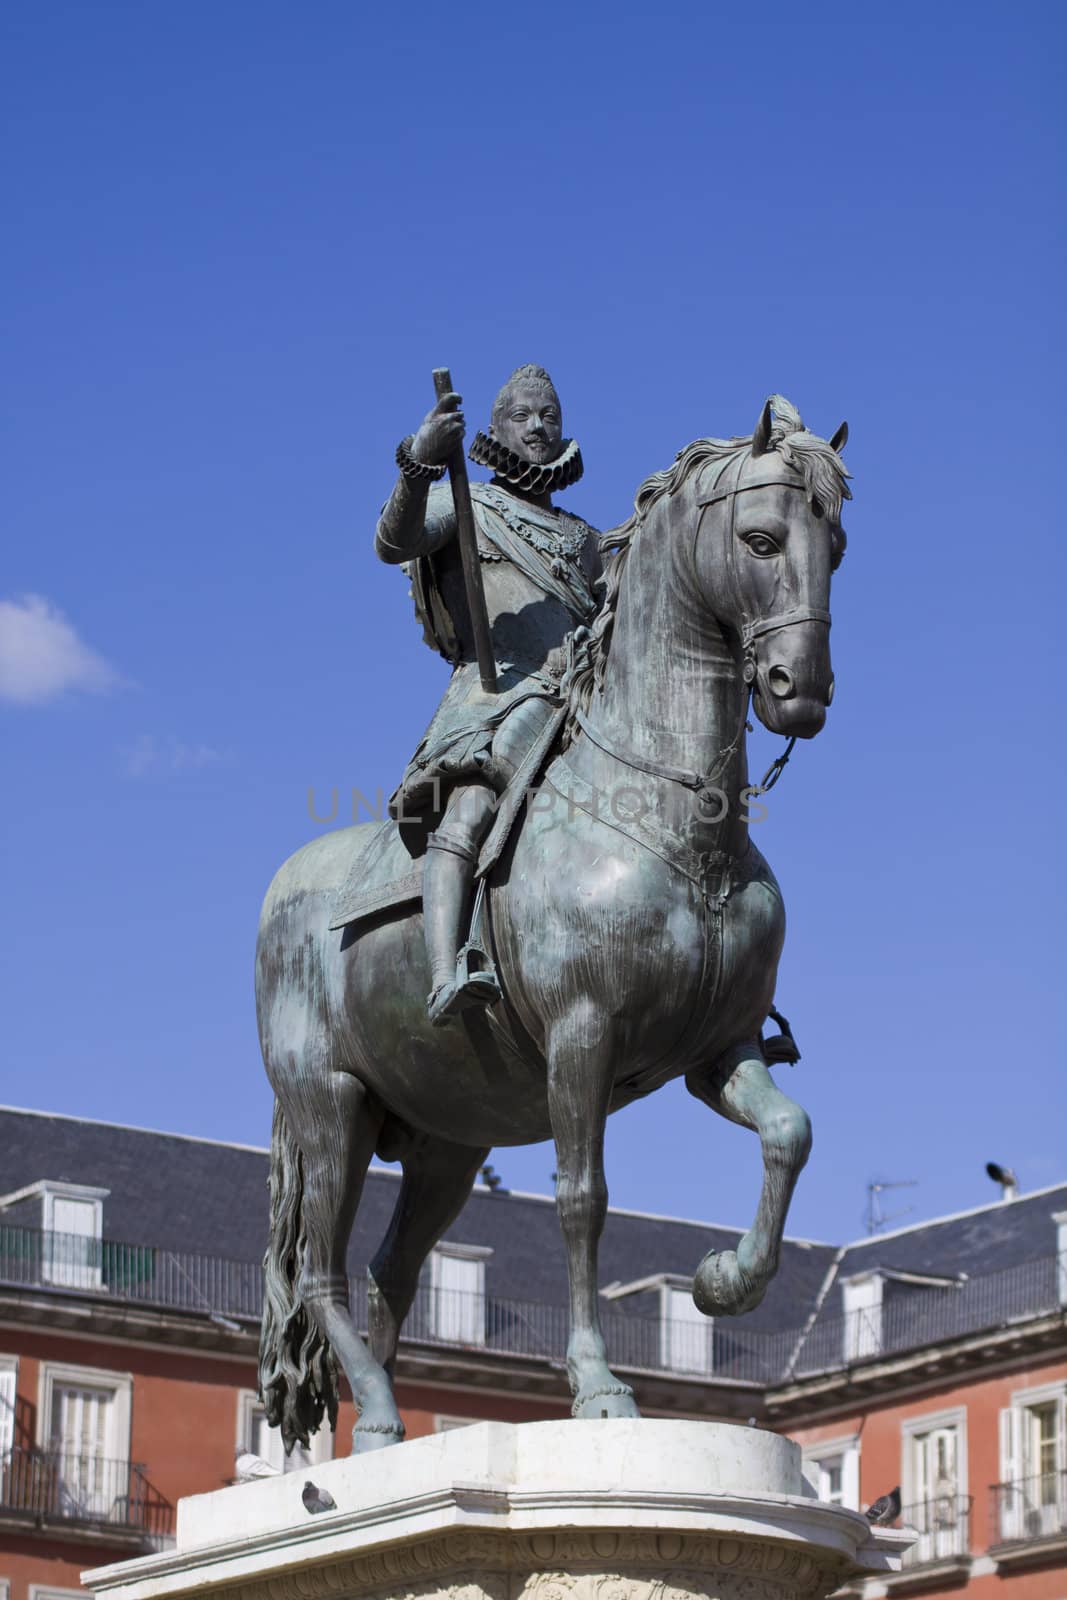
x=579 y=1510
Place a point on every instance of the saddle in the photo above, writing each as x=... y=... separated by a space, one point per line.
x=374 y=884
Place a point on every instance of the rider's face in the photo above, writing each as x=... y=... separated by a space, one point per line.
x=530 y=422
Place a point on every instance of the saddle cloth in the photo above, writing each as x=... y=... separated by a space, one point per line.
x=375 y=880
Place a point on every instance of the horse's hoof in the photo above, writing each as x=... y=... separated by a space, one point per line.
x=613 y=1400
x=722 y=1289
x=375 y=1436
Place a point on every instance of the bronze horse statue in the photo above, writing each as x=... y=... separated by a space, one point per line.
x=635 y=927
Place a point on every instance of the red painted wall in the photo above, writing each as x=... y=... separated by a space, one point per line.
x=184 y=1424
x=184 y=1429
x=881 y=1461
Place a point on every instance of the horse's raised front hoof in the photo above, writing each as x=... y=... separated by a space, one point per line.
x=613 y=1400
x=375 y=1436
x=721 y=1288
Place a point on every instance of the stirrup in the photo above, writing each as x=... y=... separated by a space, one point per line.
x=463 y=994
x=781 y=1048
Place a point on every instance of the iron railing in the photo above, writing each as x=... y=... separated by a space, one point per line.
x=1030 y=1508
x=913 y=1316
x=56 y=1485
x=179 y=1280
x=638 y=1337
x=943 y=1526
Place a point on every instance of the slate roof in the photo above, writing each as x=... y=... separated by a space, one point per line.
x=181 y=1193
x=1001 y=1256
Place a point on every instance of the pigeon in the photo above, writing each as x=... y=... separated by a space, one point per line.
x=316 y=1500
x=250 y=1467
x=886 y=1509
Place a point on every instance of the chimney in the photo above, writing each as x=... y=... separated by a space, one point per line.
x=1009 y=1183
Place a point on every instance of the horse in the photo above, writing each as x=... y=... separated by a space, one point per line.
x=635 y=927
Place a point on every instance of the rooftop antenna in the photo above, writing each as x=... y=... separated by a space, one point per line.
x=1009 y=1183
x=876 y=1219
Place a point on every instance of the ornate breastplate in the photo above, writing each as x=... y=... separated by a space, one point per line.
x=557 y=534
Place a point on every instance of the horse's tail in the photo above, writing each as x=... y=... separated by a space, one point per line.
x=297 y=1371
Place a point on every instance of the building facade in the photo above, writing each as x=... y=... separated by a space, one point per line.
x=933 y=1358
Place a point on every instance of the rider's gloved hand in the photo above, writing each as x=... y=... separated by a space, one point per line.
x=441 y=433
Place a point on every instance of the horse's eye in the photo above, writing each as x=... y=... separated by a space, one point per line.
x=761 y=544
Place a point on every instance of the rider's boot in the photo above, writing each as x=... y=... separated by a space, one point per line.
x=451 y=856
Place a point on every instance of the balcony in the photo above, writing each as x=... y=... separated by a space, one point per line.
x=913 y=1317
x=189 y=1283
x=943 y=1527
x=1029 y=1519
x=89 y=1495
x=941 y=1554
x=231 y=1292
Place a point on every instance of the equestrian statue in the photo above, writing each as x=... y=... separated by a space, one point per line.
x=579 y=807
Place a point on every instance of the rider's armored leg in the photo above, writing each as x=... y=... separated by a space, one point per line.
x=451 y=856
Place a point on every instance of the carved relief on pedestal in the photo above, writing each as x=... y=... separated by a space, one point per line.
x=566 y=1565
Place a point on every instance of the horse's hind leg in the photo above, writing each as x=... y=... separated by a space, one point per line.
x=336 y=1124
x=437 y=1180
x=740 y=1087
x=581 y=1063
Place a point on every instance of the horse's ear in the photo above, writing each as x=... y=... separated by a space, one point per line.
x=840 y=438
x=761 y=439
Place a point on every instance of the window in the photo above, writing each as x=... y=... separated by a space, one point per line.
x=1033 y=1464
x=84 y=1425
x=685 y=1333
x=9 y=1371
x=256 y=1436
x=934 y=1486
x=832 y=1468
x=457 y=1293
x=39 y=1591
x=73 y=1223
x=863 y=1315
x=1060 y=1219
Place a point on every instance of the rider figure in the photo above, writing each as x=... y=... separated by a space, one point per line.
x=538 y=566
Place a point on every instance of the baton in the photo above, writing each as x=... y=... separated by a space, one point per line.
x=468 y=549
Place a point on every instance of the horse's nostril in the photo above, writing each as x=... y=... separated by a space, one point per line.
x=780 y=682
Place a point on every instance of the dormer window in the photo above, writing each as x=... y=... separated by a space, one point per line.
x=863 y=1316
x=457 y=1293
x=685 y=1333
x=1060 y=1219
x=72 y=1225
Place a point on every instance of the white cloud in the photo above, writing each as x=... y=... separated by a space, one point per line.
x=41 y=656
x=154 y=758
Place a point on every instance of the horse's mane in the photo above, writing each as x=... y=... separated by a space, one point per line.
x=819 y=464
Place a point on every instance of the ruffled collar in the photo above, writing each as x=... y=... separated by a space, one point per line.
x=530 y=476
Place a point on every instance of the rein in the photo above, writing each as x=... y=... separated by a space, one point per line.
x=750 y=631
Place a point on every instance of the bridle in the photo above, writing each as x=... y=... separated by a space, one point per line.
x=751 y=630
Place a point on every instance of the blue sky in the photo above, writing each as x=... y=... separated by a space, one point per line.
x=240 y=237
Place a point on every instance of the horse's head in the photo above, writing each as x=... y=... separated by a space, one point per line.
x=777 y=510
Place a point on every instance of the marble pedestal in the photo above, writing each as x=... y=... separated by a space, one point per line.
x=599 y=1510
